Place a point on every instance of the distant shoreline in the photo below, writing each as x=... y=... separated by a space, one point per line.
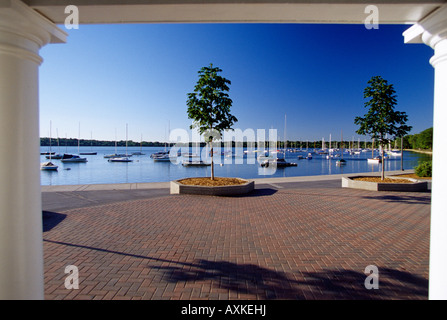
x=420 y=151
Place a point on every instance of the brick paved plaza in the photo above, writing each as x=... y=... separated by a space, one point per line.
x=284 y=241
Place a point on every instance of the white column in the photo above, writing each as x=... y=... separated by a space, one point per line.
x=433 y=32
x=22 y=33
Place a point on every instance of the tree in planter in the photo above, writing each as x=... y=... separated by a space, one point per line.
x=382 y=120
x=209 y=106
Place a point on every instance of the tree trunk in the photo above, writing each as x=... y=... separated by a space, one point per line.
x=383 y=161
x=212 y=161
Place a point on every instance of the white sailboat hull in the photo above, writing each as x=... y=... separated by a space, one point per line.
x=123 y=159
x=48 y=166
x=372 y=160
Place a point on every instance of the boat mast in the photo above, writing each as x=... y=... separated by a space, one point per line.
x=285 y=130
x=126 y=139
x=50 y=140
x=79 y=135
x=58 y=146
x=330 y=147
x=372 y=149
x=115 y=142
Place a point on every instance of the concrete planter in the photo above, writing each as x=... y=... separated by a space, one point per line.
x=178 y=188
x=415 y=186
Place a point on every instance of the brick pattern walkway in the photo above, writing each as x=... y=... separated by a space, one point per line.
x=276 y=244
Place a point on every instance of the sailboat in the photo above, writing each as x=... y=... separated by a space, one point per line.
x=394 y=152
x=373 y=159
x=123 y=158
x=115 y=155
x=72 y=157
x=341 y=161
x=139 y=153
x=52 y=155
x=285 y=134
x=165 y=156
x=91 y=147
x=330 y=155
x=323 y=147
x=120 y=159
x=48 y=165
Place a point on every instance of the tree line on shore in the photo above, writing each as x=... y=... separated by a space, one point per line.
x=71 y=142
x=293 y=144
x=418 y=141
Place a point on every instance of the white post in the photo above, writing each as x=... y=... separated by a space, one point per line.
x=433 y=32
x=22 y=33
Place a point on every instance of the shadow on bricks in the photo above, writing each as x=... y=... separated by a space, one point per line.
x=401 y=199
x=51 y=219
x=249 y=279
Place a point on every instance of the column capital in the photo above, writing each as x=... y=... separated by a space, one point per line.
x=432 y=30
x=23 y=31
x=429 y=30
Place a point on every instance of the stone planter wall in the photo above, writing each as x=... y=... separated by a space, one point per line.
x=179 y=188
x=416 y=186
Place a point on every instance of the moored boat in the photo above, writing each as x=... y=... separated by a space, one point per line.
x=114 y=155
x=72 y=158
x=195 y=163
x=159 y=153
x=120 y=159
x=54 y=156
x=377 y=159
x=48 y=166
x=162 y=158
x=279 y=163
x=394 y=153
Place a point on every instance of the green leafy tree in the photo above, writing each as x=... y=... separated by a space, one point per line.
x=209 y=106
x=381 y=121
x=425 y=139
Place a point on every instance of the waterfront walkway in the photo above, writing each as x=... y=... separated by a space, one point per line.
x=292 y=238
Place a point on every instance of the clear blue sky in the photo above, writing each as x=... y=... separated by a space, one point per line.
x=108 y=75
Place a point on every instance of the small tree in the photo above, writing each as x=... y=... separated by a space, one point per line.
x=381 y=120
x=209 y=106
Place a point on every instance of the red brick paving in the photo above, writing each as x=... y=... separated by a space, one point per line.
x=291 y=244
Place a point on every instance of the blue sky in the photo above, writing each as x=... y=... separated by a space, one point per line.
x=107 y=76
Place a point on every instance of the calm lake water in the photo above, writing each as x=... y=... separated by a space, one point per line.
x=98 y=170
